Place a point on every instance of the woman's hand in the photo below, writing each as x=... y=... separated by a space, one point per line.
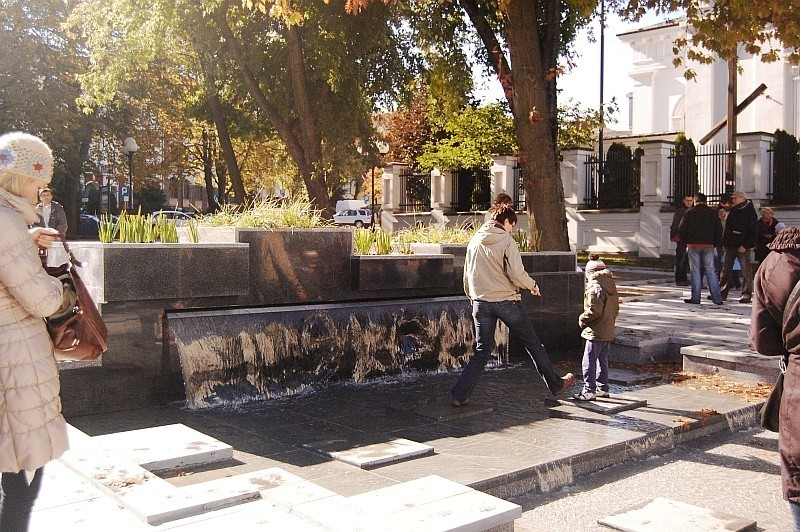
x=43 y=237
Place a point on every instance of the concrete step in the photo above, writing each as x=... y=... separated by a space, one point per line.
x=749 y=368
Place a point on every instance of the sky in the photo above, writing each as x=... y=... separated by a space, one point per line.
x=582 y=84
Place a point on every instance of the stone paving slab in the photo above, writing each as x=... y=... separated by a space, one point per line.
x=626 y=377
x=438 y=408
x=659 y=514
x=372 y=456
x=613 y=404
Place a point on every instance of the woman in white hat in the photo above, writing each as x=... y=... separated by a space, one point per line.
x=32 y=429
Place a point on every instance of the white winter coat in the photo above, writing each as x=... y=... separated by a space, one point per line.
x=32 y=429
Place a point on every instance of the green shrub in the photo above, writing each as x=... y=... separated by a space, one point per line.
x=271 y=214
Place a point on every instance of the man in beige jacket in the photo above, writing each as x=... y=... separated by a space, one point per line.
x=493 y=276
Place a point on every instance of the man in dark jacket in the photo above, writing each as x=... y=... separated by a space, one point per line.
x=681 y=261
x=701 y=230
x=741 y=229
x=771 y=336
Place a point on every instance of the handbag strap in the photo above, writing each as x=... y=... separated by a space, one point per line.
x=787 y=311
x=81 y=264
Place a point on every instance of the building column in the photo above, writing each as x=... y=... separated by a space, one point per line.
x=654 y=193
x=390 y=187
x=753 y=165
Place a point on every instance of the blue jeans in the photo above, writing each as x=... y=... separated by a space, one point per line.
x=702 y=260
x=795 y=508
x=485 y=316
x=595 y=365
x=17 y=498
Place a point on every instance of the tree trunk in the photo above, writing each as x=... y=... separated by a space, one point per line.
x=306 y=161
x=208 y=171
x=228 y=154
x=544 y=191
x=730 y=160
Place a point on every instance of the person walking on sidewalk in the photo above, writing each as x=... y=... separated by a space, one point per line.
x=33 y=431
x=774 y=283
x=739 y=238
x=681 y=261
x=493 y=276
x=701 y=229
x=598 y=324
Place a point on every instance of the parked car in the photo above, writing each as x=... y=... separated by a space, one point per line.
x=357 y=217
x=88 y=226
x=179 y=217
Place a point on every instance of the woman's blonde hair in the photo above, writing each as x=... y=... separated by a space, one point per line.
x=766 y=209
x=14 y=182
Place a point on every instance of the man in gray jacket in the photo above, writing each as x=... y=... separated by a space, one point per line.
x=52 y=213
x=493 y=275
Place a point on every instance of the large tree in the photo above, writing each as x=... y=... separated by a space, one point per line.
x=522 y=41
x=38 y=88
x=310 y=72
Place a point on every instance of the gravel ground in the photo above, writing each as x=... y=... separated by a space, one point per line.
x=732 y=473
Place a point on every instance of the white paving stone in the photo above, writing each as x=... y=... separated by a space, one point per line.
x=378 y=454
x=659 y=514
x=166 y=448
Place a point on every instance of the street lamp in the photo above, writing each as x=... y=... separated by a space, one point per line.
x=383 y=148
x=129 y=147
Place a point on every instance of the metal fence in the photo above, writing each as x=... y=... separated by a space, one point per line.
x=415 y=191
x=611 y=184
x=784 y=183
x=520 y=203
x=471 y=190
x=703 y=171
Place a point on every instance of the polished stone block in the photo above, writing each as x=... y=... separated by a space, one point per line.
x=398 y=272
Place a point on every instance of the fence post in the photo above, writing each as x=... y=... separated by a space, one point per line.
x=390 y=187
x=574 y=172
x=441 y=195
x=654 y=193
x=753 y=165
x=502 y=172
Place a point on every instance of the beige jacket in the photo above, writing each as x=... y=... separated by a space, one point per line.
x=493 y=269
x=32 y=429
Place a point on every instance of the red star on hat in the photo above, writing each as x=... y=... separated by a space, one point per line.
x=3 y=156
x=38 y=167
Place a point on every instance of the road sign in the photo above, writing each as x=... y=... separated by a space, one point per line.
x=366 y=199
x=124 y=191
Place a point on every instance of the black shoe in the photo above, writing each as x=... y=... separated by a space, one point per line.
x=682 y=283
x=712 y=299
x=692 y=301
x=745 y=299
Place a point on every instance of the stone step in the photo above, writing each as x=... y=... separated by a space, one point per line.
x=750 y=368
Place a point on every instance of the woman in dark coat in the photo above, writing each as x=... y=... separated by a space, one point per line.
x=765 y=233
x=774 y=282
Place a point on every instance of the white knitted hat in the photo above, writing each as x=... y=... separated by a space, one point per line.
x=594 y=265
x=26 y=155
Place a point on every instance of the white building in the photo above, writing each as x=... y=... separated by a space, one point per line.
x=664 y=102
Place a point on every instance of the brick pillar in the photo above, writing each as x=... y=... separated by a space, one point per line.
x=502 y=172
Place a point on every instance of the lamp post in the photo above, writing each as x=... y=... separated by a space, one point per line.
x=383 y=148
x=129 y=147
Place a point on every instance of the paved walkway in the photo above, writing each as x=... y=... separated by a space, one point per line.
x=507 y=442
